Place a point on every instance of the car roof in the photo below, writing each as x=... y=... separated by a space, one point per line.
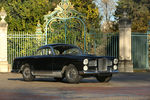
x=53 y=45
x=60 y=47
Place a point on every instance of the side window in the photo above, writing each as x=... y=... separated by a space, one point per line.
x=46 y=51
x=56 y=52
x=39 y=52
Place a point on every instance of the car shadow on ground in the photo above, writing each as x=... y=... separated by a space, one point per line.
x=86 y=80
x=16 y=79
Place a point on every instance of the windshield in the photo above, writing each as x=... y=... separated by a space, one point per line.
x=59 y=50
x=72 y=51
x=68 y=51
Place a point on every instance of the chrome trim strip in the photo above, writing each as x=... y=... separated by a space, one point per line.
x=97 y=72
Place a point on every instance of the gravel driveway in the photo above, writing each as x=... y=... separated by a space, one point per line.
x=123 y=86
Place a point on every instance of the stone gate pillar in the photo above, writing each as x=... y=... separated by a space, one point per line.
x=125 y=64
x=3 y=42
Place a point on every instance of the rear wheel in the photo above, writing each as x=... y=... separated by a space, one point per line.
x=27 y=75
x=72 y=75
x=104 y=78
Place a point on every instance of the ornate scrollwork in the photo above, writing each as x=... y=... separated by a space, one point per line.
x=63 y=22
x=63 y=10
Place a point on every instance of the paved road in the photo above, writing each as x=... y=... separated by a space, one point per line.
x=135 y=86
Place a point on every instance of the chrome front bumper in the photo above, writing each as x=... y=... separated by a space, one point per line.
x=96 y=72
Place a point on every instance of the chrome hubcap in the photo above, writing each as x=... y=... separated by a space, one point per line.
x=27 y=72
x=72 y=74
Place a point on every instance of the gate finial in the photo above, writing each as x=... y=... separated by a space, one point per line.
x=38 y=28
x=3 y=14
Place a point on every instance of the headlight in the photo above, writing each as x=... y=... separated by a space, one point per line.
x=115 y=61
x=85 y=68
x=115 y=67
x=85 y=61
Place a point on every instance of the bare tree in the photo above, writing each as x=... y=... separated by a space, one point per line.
x=106 y=8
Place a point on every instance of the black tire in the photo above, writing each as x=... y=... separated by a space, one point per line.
x=58 y=79
x=72 y=75
x=104 y=78
x=27 y=75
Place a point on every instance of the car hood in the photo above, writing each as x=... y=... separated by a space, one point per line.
x=94 y=56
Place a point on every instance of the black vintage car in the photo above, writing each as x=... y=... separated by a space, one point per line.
x=65 y=61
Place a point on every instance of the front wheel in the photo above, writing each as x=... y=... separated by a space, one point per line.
x=104 y=78
x=72 y=75
x=26 y=73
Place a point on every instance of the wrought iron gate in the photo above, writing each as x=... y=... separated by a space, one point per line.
x=25 y=44
x=65 y=25
x=21 y=44
x=104 y=44
x=140 y=51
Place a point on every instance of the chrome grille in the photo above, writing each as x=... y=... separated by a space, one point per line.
x=103 y=64
x=92 y=63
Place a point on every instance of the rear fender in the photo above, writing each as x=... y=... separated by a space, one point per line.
x=63 y=70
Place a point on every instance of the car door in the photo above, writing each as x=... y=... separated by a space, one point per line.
x=44 y=61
